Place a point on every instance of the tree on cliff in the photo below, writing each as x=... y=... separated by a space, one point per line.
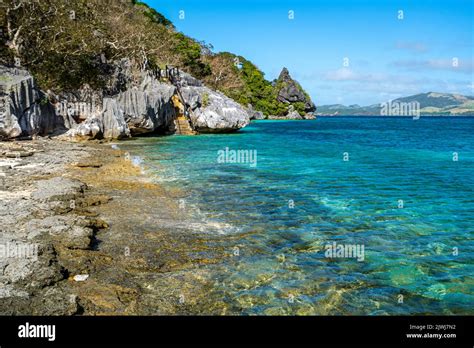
x=68 y=44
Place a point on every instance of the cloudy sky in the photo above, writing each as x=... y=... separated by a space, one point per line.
x=342 y=51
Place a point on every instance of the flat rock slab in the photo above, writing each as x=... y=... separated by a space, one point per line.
x=58 y=189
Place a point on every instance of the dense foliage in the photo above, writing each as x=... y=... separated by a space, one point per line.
x=241 y=80
x=67 y=44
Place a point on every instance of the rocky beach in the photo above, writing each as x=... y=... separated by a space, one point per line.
x=105 y=238
x=85 y=227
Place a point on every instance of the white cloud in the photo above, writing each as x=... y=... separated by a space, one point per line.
x=416 y=47
x=346 y=74
x=454 y=64
x=343 y=74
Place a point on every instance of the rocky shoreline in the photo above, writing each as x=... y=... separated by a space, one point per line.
x=104 y=238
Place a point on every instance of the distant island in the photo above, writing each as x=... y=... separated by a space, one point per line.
x=429 y=104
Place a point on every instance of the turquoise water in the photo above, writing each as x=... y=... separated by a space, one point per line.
x=399 y=194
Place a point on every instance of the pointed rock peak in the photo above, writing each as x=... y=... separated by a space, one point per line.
x=284 y=75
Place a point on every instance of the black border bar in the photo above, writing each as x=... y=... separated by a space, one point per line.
x=243 y=331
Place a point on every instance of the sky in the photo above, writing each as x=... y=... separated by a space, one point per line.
x=342 y=51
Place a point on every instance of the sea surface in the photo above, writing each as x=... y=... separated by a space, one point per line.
x=398 y=191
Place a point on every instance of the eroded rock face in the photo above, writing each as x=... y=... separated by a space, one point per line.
x=140 y=108
x=291 y=92
x=107 y=123
x=23 y=110
x=253 y=114
x=213 y=112
x=148 y=107
x=126 y=107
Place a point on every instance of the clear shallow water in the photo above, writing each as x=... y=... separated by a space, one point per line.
x=281 y=266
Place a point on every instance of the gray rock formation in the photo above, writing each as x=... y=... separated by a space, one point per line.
x=148 y=107
x=23 y=110
x=253 y=114
x=124 y=108
x=213 y=112
x=141 y=108
x=290 y=91
x=107 y=123
x=293 y=114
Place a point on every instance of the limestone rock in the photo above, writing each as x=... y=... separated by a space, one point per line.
x=109 y=123
x=24 y=110
x=214 y=112
x=290 y=91
x=58 y=189
x=309 y=116
x=148 y=107
x=293 y=114
x=253 y=114
x=126 y=106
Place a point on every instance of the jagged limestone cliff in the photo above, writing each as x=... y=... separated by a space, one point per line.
x=143 y=107
x=94 y=63
x=24 y=109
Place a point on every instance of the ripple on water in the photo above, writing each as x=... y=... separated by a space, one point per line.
x=400 y=195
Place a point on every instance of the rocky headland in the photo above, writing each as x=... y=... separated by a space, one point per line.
x=83 y=229
x=132 y=106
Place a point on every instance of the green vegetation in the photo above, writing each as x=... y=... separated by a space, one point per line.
x=68 y=44
x=190 y=51
x=241 y=80
x=205 y=99
x=154 y=16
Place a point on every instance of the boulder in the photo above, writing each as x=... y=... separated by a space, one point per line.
x=213 y=112
x=309 y=116
x=253 y=114
x=293 y=114
x=148 y=107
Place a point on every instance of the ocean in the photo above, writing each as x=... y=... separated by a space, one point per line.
x=336 y=216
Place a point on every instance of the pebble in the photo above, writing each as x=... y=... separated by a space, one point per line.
x=80 y=277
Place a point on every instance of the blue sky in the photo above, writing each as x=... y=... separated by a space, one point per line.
x=429 y=49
